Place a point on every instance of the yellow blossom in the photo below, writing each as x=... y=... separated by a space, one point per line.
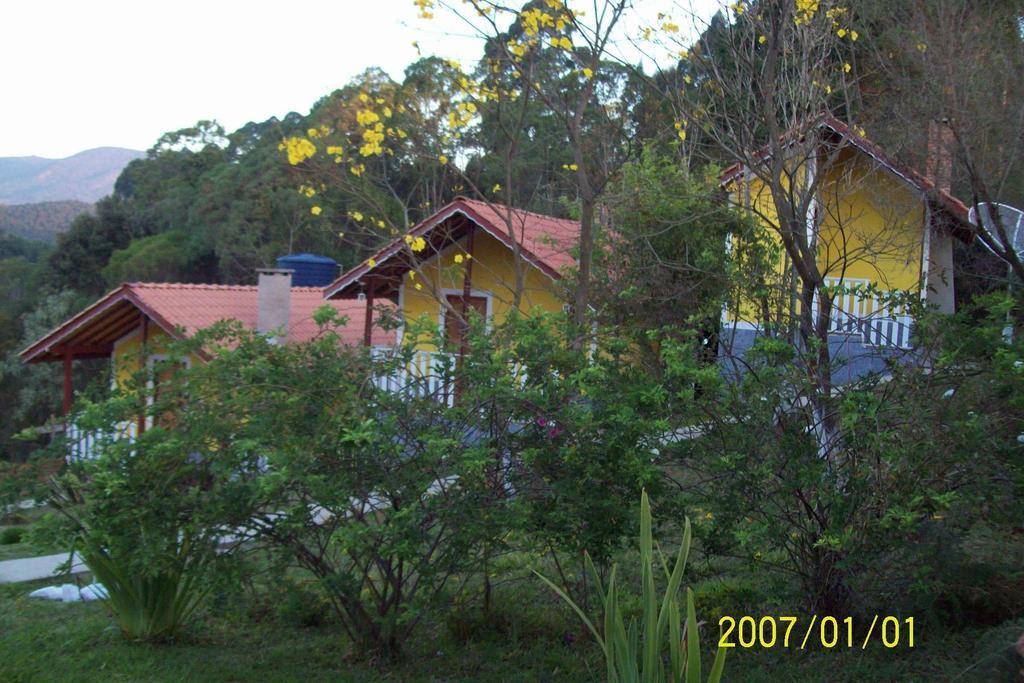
x=357 y=169
x=334 y=149
x=846 y=67
x=408 y=239
x=496 y=188
x=298 y=149
x=854 y=35
x=443 y=159
x=459 y=258
x=366 y=116
x=357 y=215
x=419 y=286
x=380 y=223
x=315 y=210
x=587 y=72
x=762 y=40
x=570 y=167
x=363 y=97
x=418 y=244
x=841 y=32
x=372 y=263
x=921 y=47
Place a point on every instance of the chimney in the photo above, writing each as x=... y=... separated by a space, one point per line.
x=939 y=165
x=273 y=307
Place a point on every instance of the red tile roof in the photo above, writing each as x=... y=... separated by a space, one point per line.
x=545 y=241
x=191 y=307
x=862 y=143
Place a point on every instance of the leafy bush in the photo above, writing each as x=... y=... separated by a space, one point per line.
x=300 y=603
x=656 y=652
x=12 y=535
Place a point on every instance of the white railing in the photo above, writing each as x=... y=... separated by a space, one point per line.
x=86 y=444
x=873 y=315
x=427 y=374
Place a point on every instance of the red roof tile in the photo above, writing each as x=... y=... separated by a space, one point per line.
x=862 y=143
x=195 y=307
x=192 y=307
x=545 y=241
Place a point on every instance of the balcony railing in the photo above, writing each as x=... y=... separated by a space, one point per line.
x=428 y=374
x=872 y=315
x=86 y=444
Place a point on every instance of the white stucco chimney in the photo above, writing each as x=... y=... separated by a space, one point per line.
x=273 y=307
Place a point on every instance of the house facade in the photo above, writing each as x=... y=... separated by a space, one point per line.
x=880 y=232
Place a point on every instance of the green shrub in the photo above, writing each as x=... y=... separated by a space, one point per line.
x=300 y=604
x=12 y=535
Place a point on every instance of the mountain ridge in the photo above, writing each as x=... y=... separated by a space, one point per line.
x=85 y=176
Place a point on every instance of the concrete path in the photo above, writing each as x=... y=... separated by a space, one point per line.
x=33 y=568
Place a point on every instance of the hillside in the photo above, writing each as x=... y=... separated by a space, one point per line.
x=42 y=220
x=85 y=176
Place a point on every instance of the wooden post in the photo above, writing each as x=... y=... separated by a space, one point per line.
x=371 y=287
x=467 y=290
x=68 y=388
x=143 y=357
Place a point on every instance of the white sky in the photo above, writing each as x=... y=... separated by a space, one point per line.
x=77 y=75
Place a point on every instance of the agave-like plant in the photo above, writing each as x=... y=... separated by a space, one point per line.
x=148 y=603
x=635 y=656
x=146 y=606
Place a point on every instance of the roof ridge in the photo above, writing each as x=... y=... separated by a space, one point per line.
x=209 y=286
x=493 y=205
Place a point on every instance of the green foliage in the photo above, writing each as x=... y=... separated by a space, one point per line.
x=12 y=535
x=644 y=655
x=158 y=258
x=40 y=222
x=150 y=606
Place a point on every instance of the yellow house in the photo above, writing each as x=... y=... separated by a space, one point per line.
x=469 y=256
x=133 y=325
x=876 y=228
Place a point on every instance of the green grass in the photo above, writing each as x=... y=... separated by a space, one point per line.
x=530 y=636
x=17 y=551
x=48 y=641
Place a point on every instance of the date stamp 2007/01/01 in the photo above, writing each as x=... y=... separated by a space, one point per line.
x=827 y=632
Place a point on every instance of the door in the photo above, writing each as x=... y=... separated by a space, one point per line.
x=453 y=325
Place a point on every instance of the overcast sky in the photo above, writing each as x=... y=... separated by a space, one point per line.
x=77 y=75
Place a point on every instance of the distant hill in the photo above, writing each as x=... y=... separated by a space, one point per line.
x=40 y=221
x=86 y=176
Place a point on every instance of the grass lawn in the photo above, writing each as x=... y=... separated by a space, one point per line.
x=539 y=641
x=16 y=551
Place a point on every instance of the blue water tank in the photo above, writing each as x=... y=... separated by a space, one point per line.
x=310 y=270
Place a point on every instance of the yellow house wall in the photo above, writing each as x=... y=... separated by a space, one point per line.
x=871 y=227
x=127 y=357
x=494 y=270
